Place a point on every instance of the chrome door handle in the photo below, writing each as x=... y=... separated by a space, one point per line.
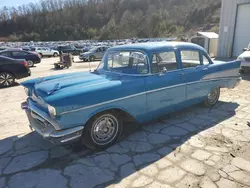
x=205 y=69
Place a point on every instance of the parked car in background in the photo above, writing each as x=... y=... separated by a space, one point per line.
x=245 y=60
x=43 y=51
x=95 y=53
x=139 y=82
x=12 y=69
x=30 y=57
x=69 y=49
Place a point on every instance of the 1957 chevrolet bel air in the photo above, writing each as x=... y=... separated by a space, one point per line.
x=139 y=81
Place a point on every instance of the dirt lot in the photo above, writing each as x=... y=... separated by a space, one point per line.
x=196 y=147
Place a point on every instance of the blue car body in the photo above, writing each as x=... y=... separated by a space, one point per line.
x=76 y=97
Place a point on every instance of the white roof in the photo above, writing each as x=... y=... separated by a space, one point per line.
x=210 y=35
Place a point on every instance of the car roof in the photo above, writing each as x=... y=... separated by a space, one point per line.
x=157 y=46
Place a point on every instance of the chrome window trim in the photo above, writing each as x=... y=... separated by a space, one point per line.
x=122 y=98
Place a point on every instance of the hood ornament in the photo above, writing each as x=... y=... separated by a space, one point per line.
x=56 y=88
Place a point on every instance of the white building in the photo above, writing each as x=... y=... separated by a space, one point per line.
x=208 y=40
x=234 y=33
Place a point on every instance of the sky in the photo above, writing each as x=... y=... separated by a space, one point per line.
x=15 y=2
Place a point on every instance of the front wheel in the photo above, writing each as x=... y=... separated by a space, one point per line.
x=6 y=79
x=102 y=131
x=30 y=63
x=212 y=97
x=55 y=55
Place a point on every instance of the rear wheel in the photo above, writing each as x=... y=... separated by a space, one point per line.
x=102 y=131
x=6 y=79
x=30 y=63
x=212 y=97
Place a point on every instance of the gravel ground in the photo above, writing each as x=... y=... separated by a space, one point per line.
x=196 y=147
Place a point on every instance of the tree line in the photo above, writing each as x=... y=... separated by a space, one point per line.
x=52 y=20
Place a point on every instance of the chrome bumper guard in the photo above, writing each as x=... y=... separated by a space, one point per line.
x=48 y=131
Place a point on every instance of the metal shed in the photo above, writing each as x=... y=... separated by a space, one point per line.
x=234 y=28
x=208 y=40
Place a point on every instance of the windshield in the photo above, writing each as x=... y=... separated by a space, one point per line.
x=127 y=62
x=93 y=49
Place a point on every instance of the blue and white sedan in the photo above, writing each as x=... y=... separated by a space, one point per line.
x=136 y=81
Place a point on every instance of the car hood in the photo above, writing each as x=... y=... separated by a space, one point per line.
x=245 y=54
x=68 y=84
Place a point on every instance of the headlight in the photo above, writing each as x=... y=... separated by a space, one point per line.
x=26 y=91
x=52 y=110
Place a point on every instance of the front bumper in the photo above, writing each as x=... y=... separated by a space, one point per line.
x=47 y=129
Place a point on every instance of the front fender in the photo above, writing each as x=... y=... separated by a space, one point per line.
x=134 y=106
x=107 y=108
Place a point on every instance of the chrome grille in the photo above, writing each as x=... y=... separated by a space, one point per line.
x=38 y=100
x=247 y=59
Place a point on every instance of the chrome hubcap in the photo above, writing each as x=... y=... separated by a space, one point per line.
x=213 y=96
x=6 y=79
x=104 y=129
x=30 y=63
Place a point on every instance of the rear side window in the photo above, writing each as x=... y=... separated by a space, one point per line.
x=190 y=58
x=164 y=61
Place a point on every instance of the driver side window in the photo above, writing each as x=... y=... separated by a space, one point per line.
x=164 y=62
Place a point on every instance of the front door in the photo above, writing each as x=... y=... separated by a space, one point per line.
x=165 y=88
x=46 y=51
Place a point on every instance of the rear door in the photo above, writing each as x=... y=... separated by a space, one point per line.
x=98 y=53
x=103 y=50
x=195 y=66
x=46 y=51
x=166 y=87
